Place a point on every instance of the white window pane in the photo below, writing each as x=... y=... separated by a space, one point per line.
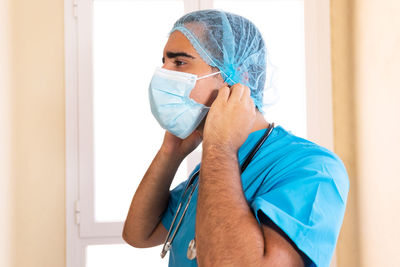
x=117 y=255
x=281 y=23
x=128 y=40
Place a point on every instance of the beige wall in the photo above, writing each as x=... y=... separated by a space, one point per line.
x=344 y=100
x=32 y=134
x=366 y=68
x=377 y=89
x=6 y=99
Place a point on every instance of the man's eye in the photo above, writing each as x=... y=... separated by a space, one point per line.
x=179 y=63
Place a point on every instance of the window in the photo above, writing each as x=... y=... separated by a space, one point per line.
x=282 y=26
x=112 y=48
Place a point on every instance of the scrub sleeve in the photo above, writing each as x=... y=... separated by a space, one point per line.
x=308 y=204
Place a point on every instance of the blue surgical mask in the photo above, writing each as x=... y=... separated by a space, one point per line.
x=170 y=103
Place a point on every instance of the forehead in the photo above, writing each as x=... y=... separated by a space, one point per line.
x=177 y=42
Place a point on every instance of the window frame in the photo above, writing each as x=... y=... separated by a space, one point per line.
x=81 y=228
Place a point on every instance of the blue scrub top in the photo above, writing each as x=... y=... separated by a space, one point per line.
x=301 y=186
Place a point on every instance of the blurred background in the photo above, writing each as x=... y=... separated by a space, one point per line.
x=77 y=134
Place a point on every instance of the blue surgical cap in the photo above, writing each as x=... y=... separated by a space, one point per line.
x=231 y=43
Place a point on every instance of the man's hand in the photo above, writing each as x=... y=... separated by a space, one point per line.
x=174 y=145
x=230 y=118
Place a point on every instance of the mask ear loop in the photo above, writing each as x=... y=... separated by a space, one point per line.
x=208 y=75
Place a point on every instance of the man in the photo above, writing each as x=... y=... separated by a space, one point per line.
x=286 y=209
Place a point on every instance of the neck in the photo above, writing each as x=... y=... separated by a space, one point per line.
x=259 y=123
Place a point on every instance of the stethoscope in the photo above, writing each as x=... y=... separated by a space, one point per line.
x=191 y=253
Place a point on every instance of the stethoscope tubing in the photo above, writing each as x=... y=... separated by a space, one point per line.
x=168 y=242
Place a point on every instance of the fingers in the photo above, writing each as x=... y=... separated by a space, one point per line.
x=246 y=92
x=223 y=94
x=251 y=103
x=240 y=92
x=237 y=92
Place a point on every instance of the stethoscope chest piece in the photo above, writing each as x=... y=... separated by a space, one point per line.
x=191 y=252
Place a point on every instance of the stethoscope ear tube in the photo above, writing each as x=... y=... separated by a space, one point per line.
x=257 y=147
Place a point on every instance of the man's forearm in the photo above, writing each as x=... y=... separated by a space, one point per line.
x=151 y=197
x=227 y=233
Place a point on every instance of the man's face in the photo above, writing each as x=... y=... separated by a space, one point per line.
x=180 y=55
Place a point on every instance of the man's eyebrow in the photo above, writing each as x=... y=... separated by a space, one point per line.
x=179 y=54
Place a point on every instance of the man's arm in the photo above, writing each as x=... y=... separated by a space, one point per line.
x=143 y=227
x=227 y=232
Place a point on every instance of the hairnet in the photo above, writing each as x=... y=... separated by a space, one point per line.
x=231 y=43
